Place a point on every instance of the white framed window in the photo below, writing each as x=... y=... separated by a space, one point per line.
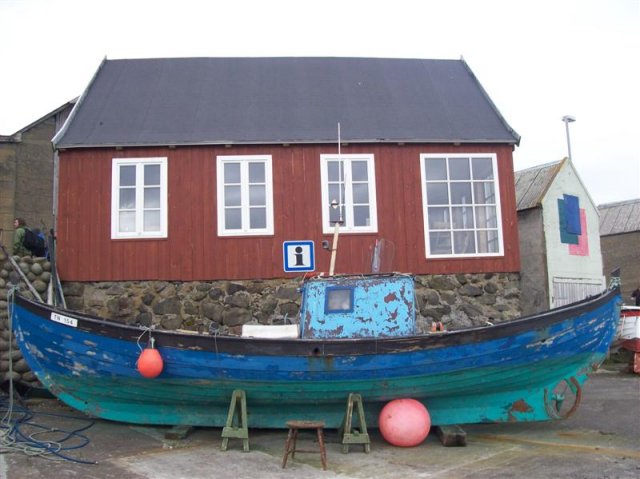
x=138 y=198
x=245 y=195
x=348 y=180
x=461 y=205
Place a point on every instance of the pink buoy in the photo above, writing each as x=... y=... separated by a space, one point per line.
x=150 y=363
x=404 y=422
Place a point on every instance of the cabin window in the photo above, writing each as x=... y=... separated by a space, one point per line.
x=339 y=300
x=245 y=195
x=138 y=198
x=348 y=193
x=461 y=205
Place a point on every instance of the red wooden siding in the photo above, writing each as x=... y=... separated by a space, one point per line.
x=193 y=251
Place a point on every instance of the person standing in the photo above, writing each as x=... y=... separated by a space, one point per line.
x=19 y=249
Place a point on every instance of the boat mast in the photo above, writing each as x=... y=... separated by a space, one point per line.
x=336 y=230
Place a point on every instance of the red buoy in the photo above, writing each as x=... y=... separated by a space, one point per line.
x=404 y=422
x=150 y=363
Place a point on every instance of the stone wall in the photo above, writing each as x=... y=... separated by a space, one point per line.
x=533 y=263
x=622 y=251
x=457 y=301
x=38 y=272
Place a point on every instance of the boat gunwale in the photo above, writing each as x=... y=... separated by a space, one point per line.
x=320 y=347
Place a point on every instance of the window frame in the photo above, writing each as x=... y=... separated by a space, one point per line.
x=139 y=163
x=473 y=205
x=245 y=207
x=347 y=226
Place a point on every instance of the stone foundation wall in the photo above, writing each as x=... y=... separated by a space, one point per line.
x=38 y=272
x=457 y=301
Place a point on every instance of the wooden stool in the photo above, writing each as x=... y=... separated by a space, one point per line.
x=292 y=437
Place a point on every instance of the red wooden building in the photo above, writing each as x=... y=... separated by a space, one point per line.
x=200 y=168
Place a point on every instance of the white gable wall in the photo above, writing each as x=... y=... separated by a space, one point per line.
x=571 y=277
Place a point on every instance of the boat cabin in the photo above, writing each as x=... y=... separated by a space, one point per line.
x=373 y=306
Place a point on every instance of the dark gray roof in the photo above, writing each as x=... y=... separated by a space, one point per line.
x=533 y=183
x=620 y=217
x=175 y=101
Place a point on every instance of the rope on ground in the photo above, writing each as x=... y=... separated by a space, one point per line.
x=20 y=433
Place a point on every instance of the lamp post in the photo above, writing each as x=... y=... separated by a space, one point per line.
x=568 y=119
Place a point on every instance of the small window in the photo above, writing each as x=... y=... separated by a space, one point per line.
x=138 y=198
x=339 y=300
x=245 y=198
x=348 y=193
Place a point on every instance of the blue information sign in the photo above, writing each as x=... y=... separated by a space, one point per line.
x=298 y=256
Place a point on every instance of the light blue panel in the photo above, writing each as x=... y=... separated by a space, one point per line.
x=359 y=307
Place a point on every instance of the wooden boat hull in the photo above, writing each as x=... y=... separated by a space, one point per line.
x=507 y=372
x=629 y=328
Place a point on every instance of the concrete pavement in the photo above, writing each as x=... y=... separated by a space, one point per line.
x=602 y=440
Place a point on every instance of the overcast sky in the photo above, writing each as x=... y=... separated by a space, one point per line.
x=538 y=59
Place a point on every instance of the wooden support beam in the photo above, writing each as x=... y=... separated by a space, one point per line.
x=451 y=436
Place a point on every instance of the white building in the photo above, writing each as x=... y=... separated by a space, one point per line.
x=558 y=223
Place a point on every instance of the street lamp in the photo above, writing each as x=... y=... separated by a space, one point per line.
x=568 y=119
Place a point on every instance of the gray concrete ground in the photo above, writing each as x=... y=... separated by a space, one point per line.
x=602 y=440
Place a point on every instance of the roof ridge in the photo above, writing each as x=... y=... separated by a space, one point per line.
x=540 y=167
x=619 y=203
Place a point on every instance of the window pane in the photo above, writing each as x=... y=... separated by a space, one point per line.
x=482 y=168
x=127 y=198
x=339 y=300
x=336 y=192
x=127 y=222
x=460 y=193
x=459 y=169
x=487 y=241
x=232 y=219
x=128 y=175
x=440 y=243
x=439 y=218
x=462 y=217
x=232 y=196
x=361 y=193
x=463 y=242
x=361 y=216
x=333 y=171
x=435 y=168
x=437 y=194
x=257 y=195
x=232 y=173
x=152 y=197
x=258 y=218
x=256 y=173
x=484 y=193
x=151 y=175
x=152 y=220
x=486 y=217
x=359 y=171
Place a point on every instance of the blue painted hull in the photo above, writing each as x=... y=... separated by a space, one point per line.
x=505 y=372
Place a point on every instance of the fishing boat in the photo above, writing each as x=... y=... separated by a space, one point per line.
x=629 y=334
x=356 y=334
